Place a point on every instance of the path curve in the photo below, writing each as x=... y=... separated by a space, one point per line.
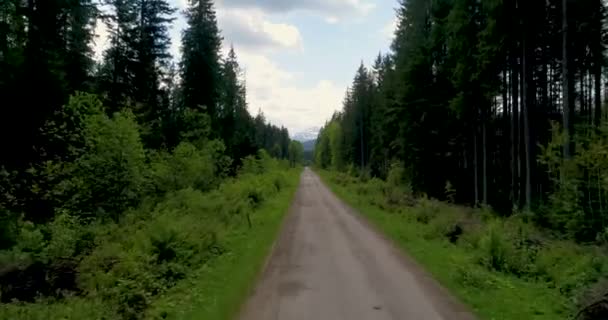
x=329 y=264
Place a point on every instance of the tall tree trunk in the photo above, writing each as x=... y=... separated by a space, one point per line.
x=515 y=162
x=528 y=96
x=598 y=91
x=484 y=155
x=582 y=100
x=475 y=165
x=544 y=86
x=590 y=90
x=567 y=94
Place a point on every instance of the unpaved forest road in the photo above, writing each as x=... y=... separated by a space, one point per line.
x=328 y=264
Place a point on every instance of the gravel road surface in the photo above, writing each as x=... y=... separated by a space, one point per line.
x=330 y=264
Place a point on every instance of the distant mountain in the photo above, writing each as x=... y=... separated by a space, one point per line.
x=309 y=145
x=307 y=135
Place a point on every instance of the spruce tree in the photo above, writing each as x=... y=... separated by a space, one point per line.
x=200 y=65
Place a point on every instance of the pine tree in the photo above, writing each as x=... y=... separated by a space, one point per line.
x=200 y=66
x=116 y=73
x=79 y=35
x=152 y=56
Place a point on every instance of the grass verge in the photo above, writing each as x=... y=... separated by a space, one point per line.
x=461 y=267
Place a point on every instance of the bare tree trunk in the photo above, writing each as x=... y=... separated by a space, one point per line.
x=526 y=106
x=515 y=176
x=484 y=158
x=475 y=166
x=544 y=84
x=590 y=89
x=583 y=107
x=598 y=92
x=567 y=106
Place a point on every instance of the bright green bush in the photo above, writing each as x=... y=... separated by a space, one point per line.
x=505 y=246
x=186 y=167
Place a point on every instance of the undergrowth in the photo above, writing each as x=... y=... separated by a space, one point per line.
x=503 y=267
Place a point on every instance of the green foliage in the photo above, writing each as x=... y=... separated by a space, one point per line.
x=296 y=153
x=475 y=250
x=322 y=152
x=335 y=144
x=186 y=167
x=109 y=199
x=576 y=206
x=108 y=178
x=124 y=267
x=67 y=128
x=463 y=265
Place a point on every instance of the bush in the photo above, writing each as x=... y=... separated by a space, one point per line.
x=472 y=277
x=44 y=261
x=260 y=164
x=450 y=224
x=426 y=210
x=398 y=176
x=148 y=253
x=508 y=246
x=570 y=268
x=186 y=167
x=65 y=132
x=127 y=270
x=109 y=177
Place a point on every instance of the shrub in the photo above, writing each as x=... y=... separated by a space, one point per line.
x=426 y=210
x=108 y=177
x=186 y=167
x=472 y=277
x=496 y=248
x=397 y=175
x=570 y=268
x=8 y=229
x=65 y=132
x=507 y=246
x=449 y=224
x=127 y=270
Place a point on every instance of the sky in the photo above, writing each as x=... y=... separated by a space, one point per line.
x=298 y=56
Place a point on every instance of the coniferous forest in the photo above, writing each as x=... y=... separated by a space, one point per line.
x=498 y=103
x=137 y=185
x=121 y=176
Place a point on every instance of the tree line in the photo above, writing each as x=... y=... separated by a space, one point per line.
x=495 y=102
x=46 y=56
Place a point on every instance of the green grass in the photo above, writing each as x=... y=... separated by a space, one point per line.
x=218 y=289
x=490 y=294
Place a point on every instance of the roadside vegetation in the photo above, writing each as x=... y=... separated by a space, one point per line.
x=131 y=181
x=503 y=267
x=130 y=225
x=479 y=143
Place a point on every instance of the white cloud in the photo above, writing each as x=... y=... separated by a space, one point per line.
x=253 y=30
x=331 y=10
x=283 y=101
x=389 y=29
x=257 y=36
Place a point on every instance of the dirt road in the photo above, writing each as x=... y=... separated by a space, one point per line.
x=329 y=264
